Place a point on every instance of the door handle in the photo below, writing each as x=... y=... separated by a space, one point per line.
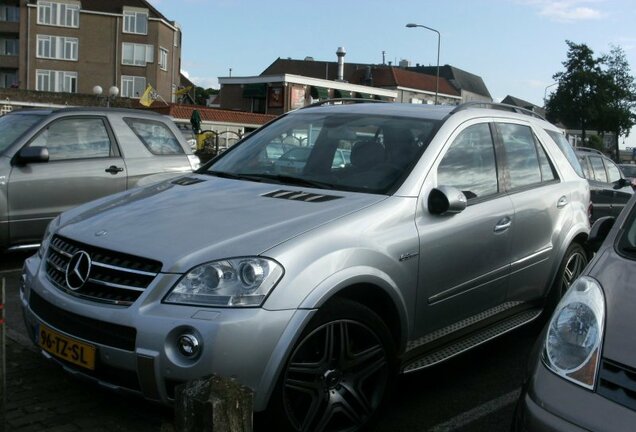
x=113 y=169
x=563 y=201
x=503 y=224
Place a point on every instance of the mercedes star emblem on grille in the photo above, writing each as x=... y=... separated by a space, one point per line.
x=78 y=270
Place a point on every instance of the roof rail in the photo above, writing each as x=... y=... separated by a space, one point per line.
x=589 y=150
x=497 y=106
x=342 y=101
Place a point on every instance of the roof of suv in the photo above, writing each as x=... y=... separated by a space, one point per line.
x=435 y=112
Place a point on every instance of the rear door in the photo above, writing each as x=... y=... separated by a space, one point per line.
x=84 y=164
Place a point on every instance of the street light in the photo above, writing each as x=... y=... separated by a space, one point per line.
x=113 y=91
x=439 y=37
x=545 y=93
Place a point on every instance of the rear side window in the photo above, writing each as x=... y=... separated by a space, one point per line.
x=75 y=138
x=156 y=136
x=613 y=173
x=567 y=150
x=469 y=165
x=527 y=161
x=598 y=169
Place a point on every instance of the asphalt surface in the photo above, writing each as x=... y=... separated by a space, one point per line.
x=475 y=392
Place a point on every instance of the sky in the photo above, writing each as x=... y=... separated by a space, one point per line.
x=516 y=46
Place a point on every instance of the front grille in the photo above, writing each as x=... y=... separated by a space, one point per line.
x=617 y=383
x=101 y=332
x=114 y=277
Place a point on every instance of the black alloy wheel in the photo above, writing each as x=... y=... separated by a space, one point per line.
x=339 y=370
x=574 y=262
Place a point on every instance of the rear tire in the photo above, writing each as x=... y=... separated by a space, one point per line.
x=571 y=267
x=338 y=373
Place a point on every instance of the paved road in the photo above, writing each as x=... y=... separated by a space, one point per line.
x=475 y=392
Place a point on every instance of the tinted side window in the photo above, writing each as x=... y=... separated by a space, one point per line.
x=586 y=167
x=567 y=150
x=521 y=154
x=613 y=173
x=75 y=138
x=598 y=169
x=469 y=165
x=547 y=170
x=156 y=136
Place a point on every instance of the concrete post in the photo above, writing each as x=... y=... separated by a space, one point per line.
x=213 y=404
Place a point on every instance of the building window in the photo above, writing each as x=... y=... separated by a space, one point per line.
x=9 y=13
x=57 y=47
x=136 y=21
x=8 y=79
x=132 y=86
x=9 y=47
x=58 y=14
x=137 y=54
x=163 y=58
x=56 y=81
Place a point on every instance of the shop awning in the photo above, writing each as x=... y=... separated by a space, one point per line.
x=319 y=93
x=341 y=93
x=257 y=91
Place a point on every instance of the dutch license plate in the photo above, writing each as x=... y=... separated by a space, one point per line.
x=66 y=348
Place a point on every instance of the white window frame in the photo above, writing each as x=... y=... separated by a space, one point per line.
x=57 y=47
x=131 y=21
x=58 y=14
x=130 y=83
x=141 y=54
x=55 y=81
x=163 y=58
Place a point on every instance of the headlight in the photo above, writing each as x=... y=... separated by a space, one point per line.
x=237 y=282
x=50 y=229
x=573 y=342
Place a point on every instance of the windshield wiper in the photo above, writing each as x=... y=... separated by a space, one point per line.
x=223 y=174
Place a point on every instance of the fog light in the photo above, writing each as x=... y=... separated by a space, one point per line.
x=188 y=345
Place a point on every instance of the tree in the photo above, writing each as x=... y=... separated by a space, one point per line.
x=594 y=92
x=202 y=94
x=576 y=101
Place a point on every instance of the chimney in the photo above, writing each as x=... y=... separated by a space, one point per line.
x=340 y=53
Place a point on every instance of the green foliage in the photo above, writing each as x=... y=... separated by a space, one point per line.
x=202 y=94
x=595 y=142
x=594 y=93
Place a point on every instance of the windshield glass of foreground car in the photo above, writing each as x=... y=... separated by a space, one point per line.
x=12 y=126
x=356 y=152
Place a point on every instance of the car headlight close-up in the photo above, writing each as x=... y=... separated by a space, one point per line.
x=573 y=341
x=237 y=282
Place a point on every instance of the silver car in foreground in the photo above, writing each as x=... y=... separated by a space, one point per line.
x=449 y=226
x=54 y=160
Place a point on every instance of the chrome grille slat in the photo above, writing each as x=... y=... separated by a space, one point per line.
x=114 y=278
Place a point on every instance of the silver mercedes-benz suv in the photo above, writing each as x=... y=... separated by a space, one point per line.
x=447 y=227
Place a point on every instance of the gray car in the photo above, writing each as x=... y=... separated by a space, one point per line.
x=53 y=160
x=582 y=374
x=450 y=226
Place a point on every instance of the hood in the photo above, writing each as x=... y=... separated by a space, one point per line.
x=617 y=275
x=198 y=218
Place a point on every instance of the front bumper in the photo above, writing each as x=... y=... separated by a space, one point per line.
x=136 y=346
x=552 y=404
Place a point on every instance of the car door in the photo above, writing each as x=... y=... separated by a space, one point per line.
x=464 y=257
x=541 y=210
x=84 y=164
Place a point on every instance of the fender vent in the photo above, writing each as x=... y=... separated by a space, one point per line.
x=186 y=181
x=300 y=196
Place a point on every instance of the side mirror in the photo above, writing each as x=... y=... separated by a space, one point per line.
x=600 y=230
x=446 y=200
x=32 y=155
x=621 y=183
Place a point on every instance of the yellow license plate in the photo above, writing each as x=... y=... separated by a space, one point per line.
x=66 y=348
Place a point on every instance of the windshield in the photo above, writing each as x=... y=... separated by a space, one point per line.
x=12 y=126
x=627 y=238
x=628 y=170
x=356 y=152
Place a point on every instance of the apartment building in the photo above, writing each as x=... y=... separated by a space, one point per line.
x=72 y=46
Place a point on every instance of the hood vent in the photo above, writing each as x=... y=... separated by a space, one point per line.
x=300 y=196
x=187 y=181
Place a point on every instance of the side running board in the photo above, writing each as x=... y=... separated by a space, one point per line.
x=472 y=340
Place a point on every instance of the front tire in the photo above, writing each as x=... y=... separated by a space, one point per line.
x=338 y=373
x=571 y=267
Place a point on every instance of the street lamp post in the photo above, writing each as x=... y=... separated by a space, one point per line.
x=439 y=37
